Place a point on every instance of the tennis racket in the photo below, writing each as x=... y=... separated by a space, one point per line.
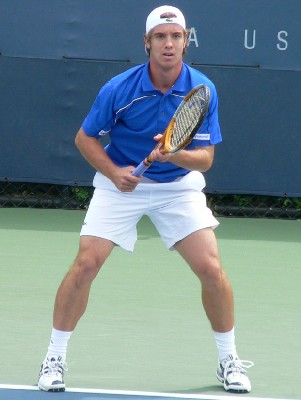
x=183 y=126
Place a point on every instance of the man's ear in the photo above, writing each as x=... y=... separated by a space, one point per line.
x=146 y=43
x=186 y=40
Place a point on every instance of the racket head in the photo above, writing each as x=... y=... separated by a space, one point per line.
x=187 y=120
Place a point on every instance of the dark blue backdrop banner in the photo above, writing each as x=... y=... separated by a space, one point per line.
x=56 y=55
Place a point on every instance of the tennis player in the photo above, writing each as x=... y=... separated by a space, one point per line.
x=134 y=109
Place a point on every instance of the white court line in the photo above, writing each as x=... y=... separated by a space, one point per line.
x=147 y=394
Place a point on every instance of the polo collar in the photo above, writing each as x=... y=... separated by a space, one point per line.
x=179 y=85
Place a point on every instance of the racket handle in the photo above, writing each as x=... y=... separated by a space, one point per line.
x=140 y=169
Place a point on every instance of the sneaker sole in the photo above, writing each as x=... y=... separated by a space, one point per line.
x=58 y=388
x=236 y=389
x=231 y=389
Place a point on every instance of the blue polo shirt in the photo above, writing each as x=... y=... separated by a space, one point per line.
x=132 y=111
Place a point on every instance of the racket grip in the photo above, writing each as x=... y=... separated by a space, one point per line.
x=140 y=169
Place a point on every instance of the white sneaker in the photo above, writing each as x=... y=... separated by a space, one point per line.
x=51 y=377
x=233 y=375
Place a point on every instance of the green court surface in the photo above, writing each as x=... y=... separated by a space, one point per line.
x=145 y=329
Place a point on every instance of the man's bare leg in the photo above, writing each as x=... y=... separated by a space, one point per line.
x=73 y=293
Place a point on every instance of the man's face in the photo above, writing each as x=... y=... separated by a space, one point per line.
x=166 y=43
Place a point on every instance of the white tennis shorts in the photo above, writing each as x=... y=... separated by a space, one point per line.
x=177 y=209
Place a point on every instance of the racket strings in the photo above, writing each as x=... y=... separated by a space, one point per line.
x=187 y=119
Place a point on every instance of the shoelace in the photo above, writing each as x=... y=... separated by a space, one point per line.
x=237 y=366
x=53 y=367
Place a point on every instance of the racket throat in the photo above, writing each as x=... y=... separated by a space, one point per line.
x=147 y=161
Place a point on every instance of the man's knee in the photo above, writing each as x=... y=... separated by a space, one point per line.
x=85 y=268
x=209 y=271
x=91 y=256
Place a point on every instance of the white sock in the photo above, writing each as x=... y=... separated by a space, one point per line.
x=58 y=344
x=225 y=343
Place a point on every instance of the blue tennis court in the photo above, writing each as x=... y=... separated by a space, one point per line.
x=32 y=393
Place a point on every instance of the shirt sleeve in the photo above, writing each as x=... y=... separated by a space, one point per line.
x=101 y=117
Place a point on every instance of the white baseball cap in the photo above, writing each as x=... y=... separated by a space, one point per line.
x=165 y=15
